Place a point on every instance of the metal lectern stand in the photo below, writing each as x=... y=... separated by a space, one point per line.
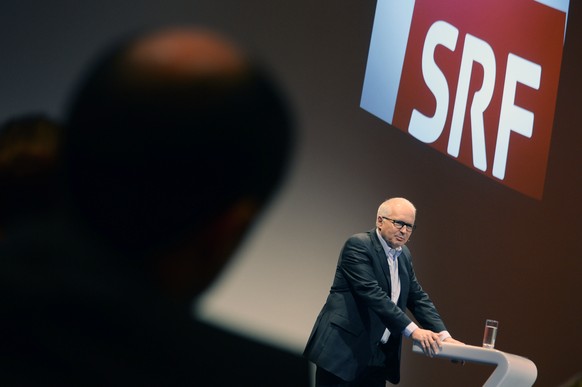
x=511 y=370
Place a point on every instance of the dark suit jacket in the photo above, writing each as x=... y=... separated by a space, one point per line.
x=347 y=332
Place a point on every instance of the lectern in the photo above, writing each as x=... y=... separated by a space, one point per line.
x=510 y=370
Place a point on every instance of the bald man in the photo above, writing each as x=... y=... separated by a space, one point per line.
x=357 y=337
x=174 y=143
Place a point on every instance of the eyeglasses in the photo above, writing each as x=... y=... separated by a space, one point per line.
x=399 y=224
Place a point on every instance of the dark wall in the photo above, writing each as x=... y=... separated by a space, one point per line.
x=481 y=250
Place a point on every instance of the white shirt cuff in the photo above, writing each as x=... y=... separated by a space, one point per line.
x=409 y=329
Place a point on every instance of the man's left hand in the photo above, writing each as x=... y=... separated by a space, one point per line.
x=450 y=340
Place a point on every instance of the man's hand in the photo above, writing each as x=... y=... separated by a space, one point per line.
x=450 y=340
x=428 y=340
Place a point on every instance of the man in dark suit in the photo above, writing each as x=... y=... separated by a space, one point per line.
x=357 y=338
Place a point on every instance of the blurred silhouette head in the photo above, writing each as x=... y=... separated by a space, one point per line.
x=29 y=146
x=175 y=138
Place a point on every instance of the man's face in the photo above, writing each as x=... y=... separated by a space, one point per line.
x=389 y=230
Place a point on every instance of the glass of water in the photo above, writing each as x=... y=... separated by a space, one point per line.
x=490 y=333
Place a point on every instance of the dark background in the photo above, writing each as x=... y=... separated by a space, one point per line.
x=481 y=250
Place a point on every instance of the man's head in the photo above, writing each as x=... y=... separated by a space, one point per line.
x=175 y=134
x=395 y=221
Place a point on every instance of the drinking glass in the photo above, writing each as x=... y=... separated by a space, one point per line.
x=490 y=333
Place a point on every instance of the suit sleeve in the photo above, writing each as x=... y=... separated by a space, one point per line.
x=357 y=267
x=421 y=306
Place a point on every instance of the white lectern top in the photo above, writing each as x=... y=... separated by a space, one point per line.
x=511 y=370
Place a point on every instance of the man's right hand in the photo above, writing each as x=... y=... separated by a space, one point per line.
x=429 y=341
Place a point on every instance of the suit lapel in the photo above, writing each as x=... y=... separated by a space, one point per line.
x=381 y=257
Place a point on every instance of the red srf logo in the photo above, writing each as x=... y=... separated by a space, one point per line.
x=476 y=80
